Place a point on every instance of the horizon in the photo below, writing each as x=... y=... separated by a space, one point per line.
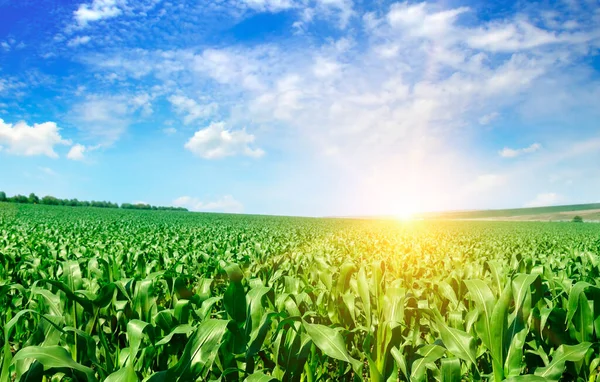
x=402 y=217
x=302 y=108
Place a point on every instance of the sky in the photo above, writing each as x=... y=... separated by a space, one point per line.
x=302 y=107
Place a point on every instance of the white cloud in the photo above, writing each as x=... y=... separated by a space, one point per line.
x=79 y=40
x=225 y=203
x=488 y=118
x=424 y=75
x=48 y=171
x=102 y=118
x=418 y=20
x=192 y=110
x=77 y=152
x=545 y=199
x=106 y=118
x=269 y=5
x=513 y=153
x=326 y=68
x=39 y=139
x=216 y=142
x=97 y=10
x=169 y=130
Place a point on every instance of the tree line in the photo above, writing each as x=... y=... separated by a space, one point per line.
x=52 y=201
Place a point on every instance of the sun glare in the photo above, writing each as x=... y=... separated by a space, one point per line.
x=404 y=216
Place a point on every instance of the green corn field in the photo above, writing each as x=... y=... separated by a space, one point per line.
x=89 y=294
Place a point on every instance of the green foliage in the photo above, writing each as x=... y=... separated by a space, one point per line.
x=113 y=295
x=577 y=219
x=52 y=201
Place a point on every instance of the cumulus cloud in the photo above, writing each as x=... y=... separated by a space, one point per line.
x=97 y=10
x=216 y=142
x=513 y=153
x=77 y=152
x=39 y=139
x=545 y=199
x=225 y=203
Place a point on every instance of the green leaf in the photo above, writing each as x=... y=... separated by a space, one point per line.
x=526 y=378
x=485 y=300
x=181 y=329
x=451 y=370
x=365 y=295
x=574 y=300
x=428 y=353
x=200 y=351
x=234 y=300
x=126 y=374
x=521 y=285
x=555 y=369
x=332 y=344
x=400 y=360
x=259 y=376
x=459 y=343
x=514 y=357
x=53 y=357
x=135 y=336
x=499 y=329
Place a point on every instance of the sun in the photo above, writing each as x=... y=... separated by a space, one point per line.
x=404 y=215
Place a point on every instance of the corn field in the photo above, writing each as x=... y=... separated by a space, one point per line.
x=121 y=296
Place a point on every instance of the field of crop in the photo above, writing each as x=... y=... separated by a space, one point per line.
x=89 y=294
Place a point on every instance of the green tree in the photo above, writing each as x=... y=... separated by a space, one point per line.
x=577 y=219
x=2 y=196
x=49 y=200
x=33 y=199
x=20 y=199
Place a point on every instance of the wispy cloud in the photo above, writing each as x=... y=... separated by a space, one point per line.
x=513 y=153
x=225 y=203
x=191 y=109
x=79 y=40
x=545 y=199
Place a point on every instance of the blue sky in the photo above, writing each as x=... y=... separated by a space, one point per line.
x=302 y=107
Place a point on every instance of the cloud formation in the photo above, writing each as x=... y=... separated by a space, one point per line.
x=39 y=139
x=226 y=203
x=513 y=153
x=545 y=199
x=97 y=10
x=215 y=142
x=77 y=152
x=191 y=110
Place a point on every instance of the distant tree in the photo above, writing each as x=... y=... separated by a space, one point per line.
x=20 y=199
x=577 y=219
x=53 y=201
x=49 y=200
x=33 y=199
